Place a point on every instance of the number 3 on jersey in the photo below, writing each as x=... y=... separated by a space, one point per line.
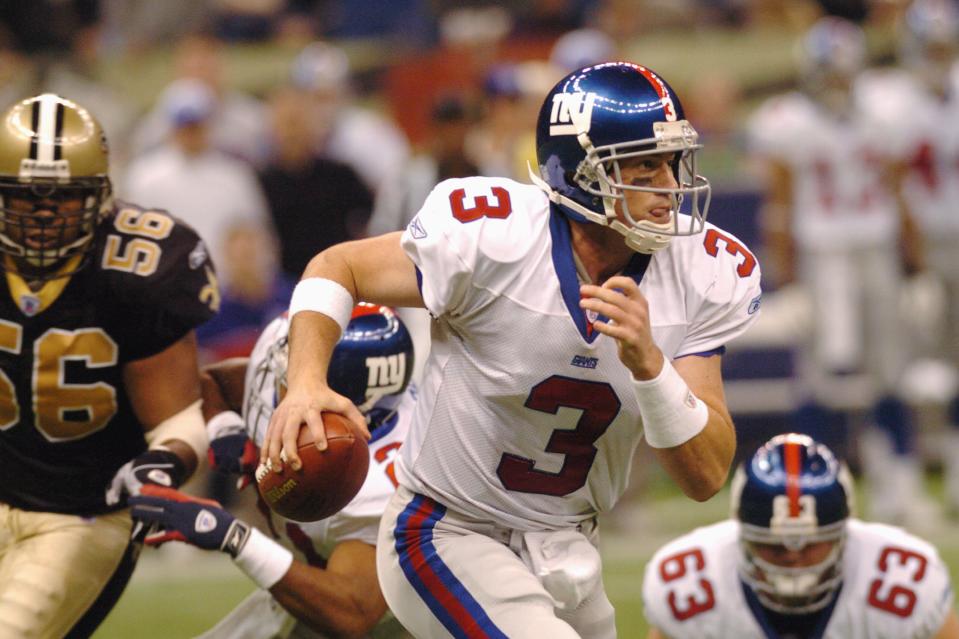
x=600 y=407
x=734 y=248
x=481 y=205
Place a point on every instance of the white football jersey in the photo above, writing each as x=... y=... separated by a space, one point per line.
x=840 y=197
x=895 y=586
x=360 y=519
x=526 y=415
x=919 y=128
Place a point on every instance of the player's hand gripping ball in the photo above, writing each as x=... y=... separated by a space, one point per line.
x=327 y=481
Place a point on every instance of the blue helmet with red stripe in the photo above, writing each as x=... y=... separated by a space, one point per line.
x=600 y=115
x=792 y=499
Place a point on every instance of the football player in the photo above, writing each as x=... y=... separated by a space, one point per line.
x=920 y=99
x=99 y=382
x=571 y=318
x=316 y=579
x=793 y=563
x=834 y=224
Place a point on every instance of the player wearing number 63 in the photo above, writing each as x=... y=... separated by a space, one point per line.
x=570 y=317
x=99 y=383
x=792 y=563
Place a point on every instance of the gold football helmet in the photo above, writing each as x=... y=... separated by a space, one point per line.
x=54 y=186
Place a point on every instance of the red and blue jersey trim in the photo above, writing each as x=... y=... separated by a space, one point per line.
x=444 y=594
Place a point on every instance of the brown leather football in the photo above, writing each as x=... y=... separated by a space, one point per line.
x=327 y=481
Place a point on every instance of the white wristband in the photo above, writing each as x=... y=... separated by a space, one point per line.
x=671 y=414
x=263 y=560
x=227 y=422
x=323 y=296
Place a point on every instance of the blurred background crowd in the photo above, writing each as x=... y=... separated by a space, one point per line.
x=279 y=127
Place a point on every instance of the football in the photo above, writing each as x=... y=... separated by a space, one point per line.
x=328 y=479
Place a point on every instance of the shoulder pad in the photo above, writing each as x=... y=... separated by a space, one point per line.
x=904 y=583
x=467 y=230
x=723 y=288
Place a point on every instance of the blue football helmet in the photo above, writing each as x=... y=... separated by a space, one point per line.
x=830 y=55
x=598 y=116
x=793 y=492
x=371 y=364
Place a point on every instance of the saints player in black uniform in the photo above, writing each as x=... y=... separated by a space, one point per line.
x=99 y=383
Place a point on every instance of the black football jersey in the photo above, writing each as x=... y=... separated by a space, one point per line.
x=66 y=423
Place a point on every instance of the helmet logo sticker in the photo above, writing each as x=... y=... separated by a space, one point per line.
x=386 y=374
x=572 y=113
x=669 y=109
x=785 y=522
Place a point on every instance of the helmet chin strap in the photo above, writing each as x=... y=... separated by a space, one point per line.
x=648 y=239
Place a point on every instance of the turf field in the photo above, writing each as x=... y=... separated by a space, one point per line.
x=177 y=593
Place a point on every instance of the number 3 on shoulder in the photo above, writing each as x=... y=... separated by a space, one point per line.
x=481 y=205
x=734 y=248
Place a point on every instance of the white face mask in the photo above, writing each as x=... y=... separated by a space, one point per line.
x=793 y=590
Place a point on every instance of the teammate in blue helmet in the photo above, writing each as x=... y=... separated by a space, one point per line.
x=793 y=562
x=316 y=579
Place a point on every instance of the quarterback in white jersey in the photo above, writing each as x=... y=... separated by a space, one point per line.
x=571 y=318
x=328 y=586
x=808 y=571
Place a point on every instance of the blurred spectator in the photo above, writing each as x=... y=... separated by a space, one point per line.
x=246 y=20
x=503 y=141
x=206 y=188
x=581 y=47
x=51 y=29
x=315 y=202
x=853 y=10
x=399 y=24
x=255 y=295
x=442 y=157
x=713 y=103
x=471 y=39
x=548 y=19
x=237 y=126
x=343 y=130
x=135 y=26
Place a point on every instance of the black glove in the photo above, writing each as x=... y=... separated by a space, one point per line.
x=174 y=516
x=156 y=466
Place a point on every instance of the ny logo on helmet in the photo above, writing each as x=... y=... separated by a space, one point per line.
x=386 y=374
x=572 y=113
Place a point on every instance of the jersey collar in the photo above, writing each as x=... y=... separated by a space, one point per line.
x=565 y=266
x=759 y=613
x=31 y=302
